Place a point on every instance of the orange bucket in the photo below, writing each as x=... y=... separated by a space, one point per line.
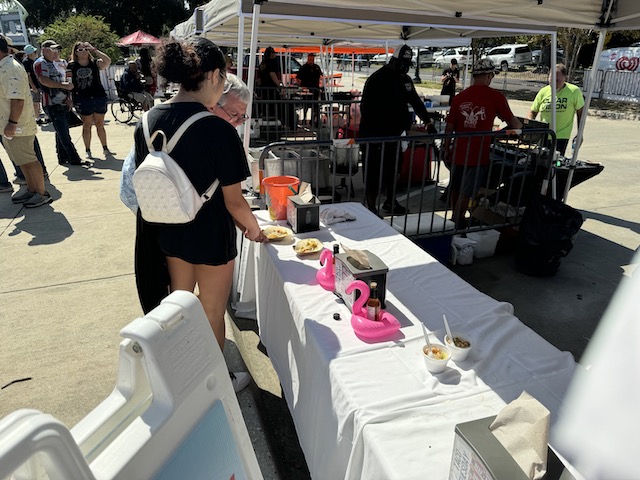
x=276 y=190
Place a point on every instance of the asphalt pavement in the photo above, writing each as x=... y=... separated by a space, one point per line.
x=67 y=285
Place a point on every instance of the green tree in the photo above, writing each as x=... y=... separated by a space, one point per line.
x=85 y=28
x=571 y=40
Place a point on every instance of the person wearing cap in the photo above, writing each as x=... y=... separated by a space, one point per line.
x=450 y=77
x=56 y=100
x=28 y=61
x=473 y=110
x=19 y=128
x=131 y=82
x=569 y=104
x=385 y=113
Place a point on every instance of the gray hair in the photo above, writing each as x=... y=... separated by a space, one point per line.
x=236 y=88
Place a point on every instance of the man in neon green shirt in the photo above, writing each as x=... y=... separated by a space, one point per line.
x=569 y=101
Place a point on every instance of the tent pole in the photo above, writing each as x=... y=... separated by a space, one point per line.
x=251 y=74
x=553 y=56
x=240 y=62
x=585 y=110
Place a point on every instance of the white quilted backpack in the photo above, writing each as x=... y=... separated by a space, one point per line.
x=164 y=192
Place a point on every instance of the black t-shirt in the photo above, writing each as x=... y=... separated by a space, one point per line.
x=384 y=105
x=309 y=75
x=86 y=80
x=209 y=149
x=449 y=83
x=266 y=67
x=27 y=63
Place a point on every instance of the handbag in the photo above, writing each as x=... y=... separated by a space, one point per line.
x=73 y=118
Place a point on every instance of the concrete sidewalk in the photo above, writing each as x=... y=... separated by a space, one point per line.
x=67 y=283
x=68 y=287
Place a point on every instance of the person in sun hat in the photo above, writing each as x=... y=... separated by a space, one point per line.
x=27 y=62
x=385 y=113
x=19 y=128
x=473 y=110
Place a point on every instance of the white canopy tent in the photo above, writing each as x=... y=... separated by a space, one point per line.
x=324 y=21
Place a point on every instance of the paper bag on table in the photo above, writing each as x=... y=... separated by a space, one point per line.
x=359 y=256
x=522 y=427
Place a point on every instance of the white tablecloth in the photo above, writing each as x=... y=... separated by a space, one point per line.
x=369 y=410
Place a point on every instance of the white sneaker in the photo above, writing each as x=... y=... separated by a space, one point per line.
x=239 y=380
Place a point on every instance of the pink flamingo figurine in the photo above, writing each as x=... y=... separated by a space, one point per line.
x=325 y=276
x=365 y=328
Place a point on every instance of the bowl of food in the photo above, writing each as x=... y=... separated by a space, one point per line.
x=436 y=357
x=460 y=347
x=308 y=246
x=276 y=233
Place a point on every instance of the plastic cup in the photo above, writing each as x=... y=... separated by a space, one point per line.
x=458 y=354
x=432 y=360
x=276 y=190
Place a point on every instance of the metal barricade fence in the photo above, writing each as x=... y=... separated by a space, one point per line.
x=413 y=176
x=289 y=114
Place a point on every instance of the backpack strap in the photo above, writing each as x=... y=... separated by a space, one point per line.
x=150 y=138
x=183 y=128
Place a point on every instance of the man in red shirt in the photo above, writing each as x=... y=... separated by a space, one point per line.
x=473 y=110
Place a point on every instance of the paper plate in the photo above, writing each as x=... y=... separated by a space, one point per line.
x=275 y=233
x=308 y=246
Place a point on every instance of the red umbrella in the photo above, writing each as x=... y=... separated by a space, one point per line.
x=138 y=39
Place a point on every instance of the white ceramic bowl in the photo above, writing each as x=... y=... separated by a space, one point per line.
x=431 y=360
x=458 y=354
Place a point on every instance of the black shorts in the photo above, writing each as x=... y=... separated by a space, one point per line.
x=468 y=180
x=90 y=105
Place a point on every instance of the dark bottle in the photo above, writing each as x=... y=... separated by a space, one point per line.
x=373 y=304
x=336 y=250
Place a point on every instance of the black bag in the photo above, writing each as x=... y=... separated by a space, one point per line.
x=74 y=119
x=547 y=233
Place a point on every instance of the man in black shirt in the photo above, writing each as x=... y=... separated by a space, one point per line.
x=385 y=113
x=450 y=76
x=309 y=77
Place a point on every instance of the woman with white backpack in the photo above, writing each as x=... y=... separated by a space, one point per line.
x=179 y=256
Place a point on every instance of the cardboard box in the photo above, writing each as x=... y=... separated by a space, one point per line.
x=478 y=455
x=303 y=216
x=348 y=270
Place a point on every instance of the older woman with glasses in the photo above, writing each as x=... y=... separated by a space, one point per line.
x=89 y=96
x=202 y=252
x=233 y=103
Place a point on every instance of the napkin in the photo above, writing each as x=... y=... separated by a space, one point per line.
x=522 y=427
x=335 y=215
x=359 y=256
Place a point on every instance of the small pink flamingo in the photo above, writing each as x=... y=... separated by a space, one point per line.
x=365 y=328
x=325 y=276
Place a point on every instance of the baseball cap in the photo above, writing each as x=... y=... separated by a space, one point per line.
x=484 y=65
x=404 y=54
x=29 y=49
x=49 y=44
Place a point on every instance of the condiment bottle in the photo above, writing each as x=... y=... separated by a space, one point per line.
x=373 y=304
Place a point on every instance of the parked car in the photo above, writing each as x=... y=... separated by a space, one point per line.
x=536 y=56
x=426 y=57
x=443 y=59
x=510 y=56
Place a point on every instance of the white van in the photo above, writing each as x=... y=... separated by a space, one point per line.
x=510 y=56
x=622 y=58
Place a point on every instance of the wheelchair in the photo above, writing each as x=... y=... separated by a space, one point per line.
x=125 y=107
